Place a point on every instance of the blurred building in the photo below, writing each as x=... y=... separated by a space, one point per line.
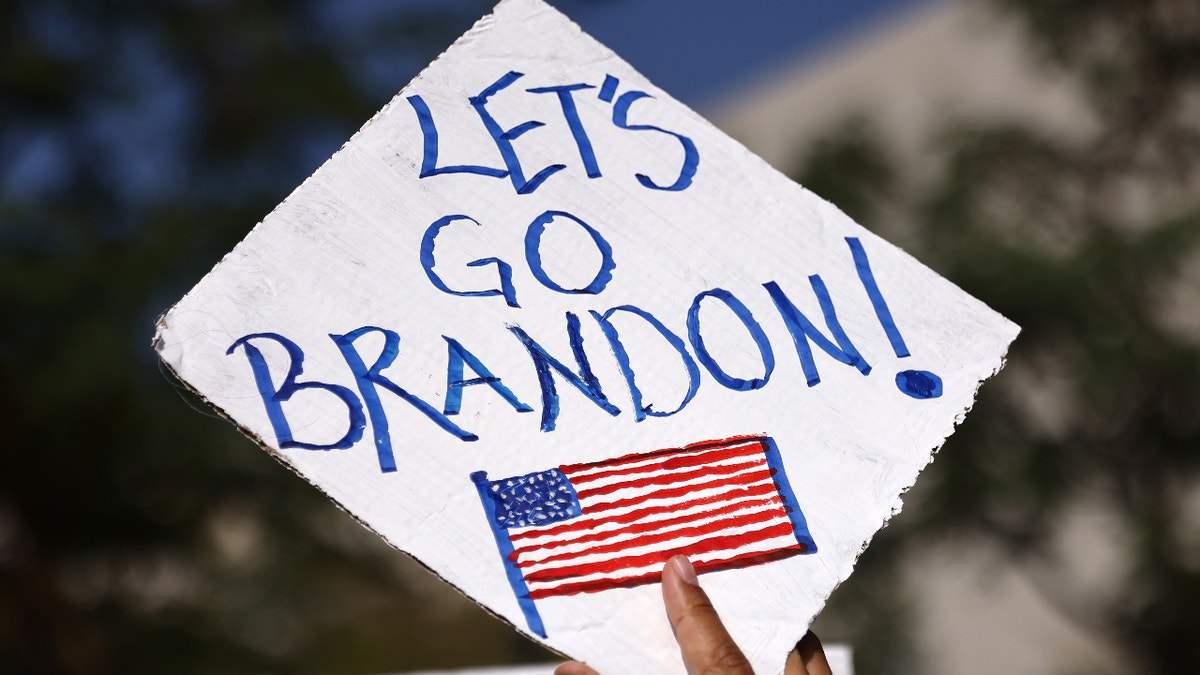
x=942 y=61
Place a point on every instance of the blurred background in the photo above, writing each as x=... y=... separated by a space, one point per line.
x=1042 y=154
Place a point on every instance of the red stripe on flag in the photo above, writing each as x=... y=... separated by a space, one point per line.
x=750 y=441
x=657 y=533
x=708 y=545
x=662 y=493
x=584 y=523
x=677 y=459
x=595 y=585
x=676 y=478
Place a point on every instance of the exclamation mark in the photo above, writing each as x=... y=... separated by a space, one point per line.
x=915 y=383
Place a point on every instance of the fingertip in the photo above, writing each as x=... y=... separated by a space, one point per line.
x=574 y=668
x=704 y=644
x=679 y=588
x=812 y=655
x=681 y=568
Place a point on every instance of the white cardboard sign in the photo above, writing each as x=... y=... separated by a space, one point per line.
x=541 y=326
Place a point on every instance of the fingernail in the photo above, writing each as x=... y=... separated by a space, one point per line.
x=683 y=568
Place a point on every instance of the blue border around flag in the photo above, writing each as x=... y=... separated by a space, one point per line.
x=799 y=524
x=515 y=579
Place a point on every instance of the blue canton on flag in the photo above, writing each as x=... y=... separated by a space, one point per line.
x=537 y=498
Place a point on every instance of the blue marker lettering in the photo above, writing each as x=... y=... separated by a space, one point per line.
x=919 y=384
x=756 y=332
x=608 y=89
x=503 y=269
x=585 y=381
x=691 y=157
x=429 y=135
x=369 y=378
x=458 y=356
x=803 y=330
x=571 y=114
x=533 y=254
x=614 y=340
x=505 y=137
x=274 y=398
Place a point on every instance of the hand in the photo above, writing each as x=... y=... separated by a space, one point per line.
x=706 y=646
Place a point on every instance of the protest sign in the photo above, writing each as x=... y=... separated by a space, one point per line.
x=541 y=327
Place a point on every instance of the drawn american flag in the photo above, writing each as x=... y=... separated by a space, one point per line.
x=580 y=528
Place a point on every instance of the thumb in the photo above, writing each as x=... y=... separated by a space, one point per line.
x=703 y=641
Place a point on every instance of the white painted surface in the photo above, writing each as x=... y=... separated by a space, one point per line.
x=343 y=252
